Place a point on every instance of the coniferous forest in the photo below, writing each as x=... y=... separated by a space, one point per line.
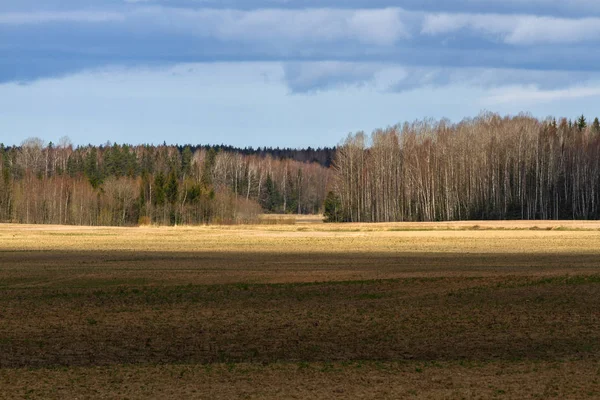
x=489 y=167
x=127 y=185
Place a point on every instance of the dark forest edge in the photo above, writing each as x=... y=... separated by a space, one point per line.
x=486 y=168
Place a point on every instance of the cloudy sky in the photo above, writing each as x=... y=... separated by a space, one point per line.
x=286 y=72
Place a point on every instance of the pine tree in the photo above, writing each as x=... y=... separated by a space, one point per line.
x=130 y=166
x=172 y=189
x=581 y=123
x=91 y=168
x=193 y=194
x=159 y=189
x=147 y=163
x=186 y=161
x=596 y=126
x=207 y=169
x=74 y=164
x=108 y=162
x=272 y=198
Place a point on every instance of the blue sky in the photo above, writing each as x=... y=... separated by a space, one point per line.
x=286 y=72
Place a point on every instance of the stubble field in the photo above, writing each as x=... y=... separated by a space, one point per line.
x=454 y=310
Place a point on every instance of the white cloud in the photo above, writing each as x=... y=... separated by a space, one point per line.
x=277 y=27
x=382 y=27
x=516 y=29
x=547 y=30
x=377 y=27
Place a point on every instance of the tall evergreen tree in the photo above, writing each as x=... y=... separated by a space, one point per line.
x=159 y=189
x=75 y=164
x=91 y=170
x=272 y=198
x=147 y=162
x=207 y=169
x=596 y=126
x=581 y=123
x=186 y=161
x=172 y=189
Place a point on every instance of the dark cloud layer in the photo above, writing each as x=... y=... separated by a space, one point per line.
x=561 y=8
x=338 y=43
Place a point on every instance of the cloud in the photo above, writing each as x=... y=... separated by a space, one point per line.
x=558 y=8
x=382 y=27
x=524 y=30
x=417 y=78
x=526 y=95
x=377 y=27
x=327 y=75
x=490 y=78
x=547 y=30
x=312 y=77
x=42 y=17
x=428 y=45
x=63 y=42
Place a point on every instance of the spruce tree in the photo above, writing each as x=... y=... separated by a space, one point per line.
x=172 y=189
x=272 y=198
x=91 y=169
x=186 y=161
x=596 y=126
x=581 y=123
x=207 y=169
x=159 y=189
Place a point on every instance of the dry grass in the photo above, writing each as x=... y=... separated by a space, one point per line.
x=318 y=310
x=313 y=238
x=271 y=219
x=292 y=219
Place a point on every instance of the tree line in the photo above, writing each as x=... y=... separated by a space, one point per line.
x=323 y=156
x=489 y=167
x=127 y=185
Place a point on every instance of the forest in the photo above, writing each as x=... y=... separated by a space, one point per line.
x=124 y=185
x=486 y=168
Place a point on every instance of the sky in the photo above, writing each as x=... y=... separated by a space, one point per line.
x=286 y=73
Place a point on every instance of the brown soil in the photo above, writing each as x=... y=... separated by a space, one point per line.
x=270 y=312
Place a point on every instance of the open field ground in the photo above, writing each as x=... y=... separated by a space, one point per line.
x=448 y=310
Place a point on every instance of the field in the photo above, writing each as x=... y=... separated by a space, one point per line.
x=306 y=310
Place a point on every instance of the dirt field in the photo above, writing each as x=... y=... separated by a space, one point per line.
x=455 y=310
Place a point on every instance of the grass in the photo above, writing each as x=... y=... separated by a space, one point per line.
x=271 y=311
